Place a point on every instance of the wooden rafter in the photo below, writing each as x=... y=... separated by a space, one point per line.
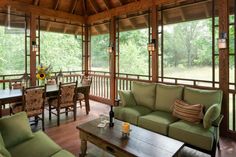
x=131 y=23
x=41 y=11
x=74 y=7
x=94 y=6
x=48 y=26
x=125 y=9
x=206 y=10
x=107 y=4
x=65 y=29
x=96 y=30
x=77 y=30
x=182 y=14
x=120 y=2
x=57 y=5
x=36 y=2
x=85 y=7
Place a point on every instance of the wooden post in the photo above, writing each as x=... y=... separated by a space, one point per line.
x=224 y=62
x=113 y=59
x=154 y=25
x=32 y=53
x=86 y=50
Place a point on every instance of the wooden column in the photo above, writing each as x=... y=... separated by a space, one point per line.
x=32 y=53
x=113 y=60
x=86 y=50
x=154 y=25
x=224 y=62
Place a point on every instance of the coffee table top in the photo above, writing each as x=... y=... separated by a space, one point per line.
x=141 y=142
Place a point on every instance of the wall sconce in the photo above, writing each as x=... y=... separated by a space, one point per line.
x=151 y=45
x=222 y=41
x=110 y=48
x=34 y=46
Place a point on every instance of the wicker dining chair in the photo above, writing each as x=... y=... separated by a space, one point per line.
x=85 y=81
x=16 y=105
x=33 y=100
x=66 y=99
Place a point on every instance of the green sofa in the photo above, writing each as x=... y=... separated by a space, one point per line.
x=149 y=105
x=17 y=140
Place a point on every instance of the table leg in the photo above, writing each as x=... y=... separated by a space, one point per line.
x=83 y=148
x=87 y=106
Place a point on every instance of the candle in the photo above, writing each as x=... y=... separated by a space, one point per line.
x=125 y=127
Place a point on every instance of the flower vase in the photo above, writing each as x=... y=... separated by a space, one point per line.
x=42 y=82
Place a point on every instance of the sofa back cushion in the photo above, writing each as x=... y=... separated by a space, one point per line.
x=15 y=129
x=166 y=96
x=187 y=112
x=204 y=97
x=144 y=94
x=3 y=151
x=127 y=98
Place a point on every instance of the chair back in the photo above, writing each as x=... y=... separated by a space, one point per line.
x=67 y=94
x=86 y=80
x=15 y=85
x=33 y=99
x=51 y=82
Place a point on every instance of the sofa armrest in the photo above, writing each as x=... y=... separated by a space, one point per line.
x=217 y=122
x=117 y=102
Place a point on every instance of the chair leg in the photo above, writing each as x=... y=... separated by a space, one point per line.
x=50 y=112
x=66 y=112
x=43 y=121
x=58 y=117
x=36 y=120
x=80 y=103
x=75 y=112
x=218 y=145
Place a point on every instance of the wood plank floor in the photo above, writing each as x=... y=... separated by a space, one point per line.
x=67 y=136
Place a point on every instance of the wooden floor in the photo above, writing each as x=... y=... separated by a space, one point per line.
x=67 y=135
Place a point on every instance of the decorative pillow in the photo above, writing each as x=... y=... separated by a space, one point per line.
x=191 y=113
x=127 y=98
x=3 y=151
x=15 y=129
x=212 y=114
x=166 y=96
x=144 y=94
x=204 y=97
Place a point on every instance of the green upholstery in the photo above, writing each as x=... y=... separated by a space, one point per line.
x=39 y=146
x=166 y=96
x=144 y=94
x=63 y=153
x=127 y=98
x=131 y=114
x=193 y=134
x=204 y=97
x=15 y=129
x=3 y=151
x=157 y=121
x=211 y=115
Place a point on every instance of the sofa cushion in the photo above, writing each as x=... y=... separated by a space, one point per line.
x=205 y=97
x=3 y=151
x=191 y=113
x=211 y=115
x=127 y=98
x=166 y=96
x=157 y=121
x=15 y=129
x=144 y=94
x=131 y=114
x=63 y=153
x=118 y=112
x=39 y=146
x=193 y=134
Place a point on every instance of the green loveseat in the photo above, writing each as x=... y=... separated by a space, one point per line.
x=149 y=105
x=17 y=140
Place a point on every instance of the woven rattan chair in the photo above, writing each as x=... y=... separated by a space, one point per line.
x=66 y=99
x=33 y=103
x=85 y=81
x=16 y=105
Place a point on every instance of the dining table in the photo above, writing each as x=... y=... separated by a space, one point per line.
x=15 y=95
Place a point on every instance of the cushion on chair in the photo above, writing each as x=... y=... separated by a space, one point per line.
x=144 y=94
x=15 y=129
x=166 y=96
x=39 y=146
x=212 y=114
x=193 y=134
x=204 y=97
x=190 y=113
x=3 y=151
x=63 y=153
x=127 y=98
x=157 y=121
x=131 y=114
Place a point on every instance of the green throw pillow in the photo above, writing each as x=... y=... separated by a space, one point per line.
x=15 y=129
x=3 y=151
x=127 y=98
x=211 y=114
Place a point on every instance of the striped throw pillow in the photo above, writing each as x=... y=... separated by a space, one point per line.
x=184 y=111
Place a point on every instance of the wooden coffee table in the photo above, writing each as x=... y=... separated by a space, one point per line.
x=141 y=142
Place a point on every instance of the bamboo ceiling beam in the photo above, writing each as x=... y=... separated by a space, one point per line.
x=127 y=8
x=94 y=6
x=74 y=7
x=40 y=11
x=57 y=5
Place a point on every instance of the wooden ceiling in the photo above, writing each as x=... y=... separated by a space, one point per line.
x=67 y=16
